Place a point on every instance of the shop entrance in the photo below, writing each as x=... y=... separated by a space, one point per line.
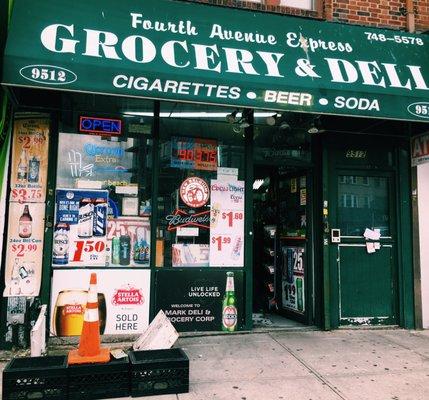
x=282 y=289
x=364 y=243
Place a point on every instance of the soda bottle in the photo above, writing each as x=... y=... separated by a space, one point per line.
x=299 y=294
x=25 y=223
x=229 y=309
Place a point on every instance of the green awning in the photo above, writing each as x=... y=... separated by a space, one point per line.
x=198 y=53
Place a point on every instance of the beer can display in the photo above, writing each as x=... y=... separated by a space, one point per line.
x=115 y=250
x=61 y=243
x=86 y=218
x=100 y=217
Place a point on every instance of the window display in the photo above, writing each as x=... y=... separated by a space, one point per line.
x=200 y=207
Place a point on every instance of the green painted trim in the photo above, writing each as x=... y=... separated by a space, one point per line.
x=405 y=245
x=154 y=204
x=248 y=225
x=326 y=289
x=45 y=289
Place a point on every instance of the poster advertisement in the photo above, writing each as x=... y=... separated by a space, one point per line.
x=419 y=150
x=24 y=249
x=293 y=289
x=190 y=255
x=93 y=159
x=128 y=242
x=123 y=301
x=29 y=159
x=193 y=300
x=80 y=228
x=227 y=223
x=193 y=153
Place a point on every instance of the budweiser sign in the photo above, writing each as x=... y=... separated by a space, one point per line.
x=127 y=296
x=181 y=218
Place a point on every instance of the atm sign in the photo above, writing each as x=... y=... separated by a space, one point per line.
x=100 y=126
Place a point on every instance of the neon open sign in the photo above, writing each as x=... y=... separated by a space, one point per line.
x=100 y=126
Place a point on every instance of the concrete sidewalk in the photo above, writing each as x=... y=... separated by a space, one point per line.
x=343 y=364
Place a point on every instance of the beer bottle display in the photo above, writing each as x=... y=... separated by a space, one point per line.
x=33 y=170
x=61 y=243
x=85 y=219
x=124 y=250
x=25 y=222
x=22 y=167
x=229 y=309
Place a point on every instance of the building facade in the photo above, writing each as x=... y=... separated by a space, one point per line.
x=231 y=174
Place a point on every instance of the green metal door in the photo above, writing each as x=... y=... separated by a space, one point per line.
x=365 y=256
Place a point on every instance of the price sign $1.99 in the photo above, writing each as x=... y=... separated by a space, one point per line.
x=87 y=250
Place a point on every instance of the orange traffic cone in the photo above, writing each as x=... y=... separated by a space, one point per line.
x=89 y=346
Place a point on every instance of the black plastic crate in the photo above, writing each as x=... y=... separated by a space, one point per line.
x=99 y=381
x=156 y=372
x=35 y=378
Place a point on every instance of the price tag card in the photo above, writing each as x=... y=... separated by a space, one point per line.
x=24 y=249
x=227 y=223
x=29 y=159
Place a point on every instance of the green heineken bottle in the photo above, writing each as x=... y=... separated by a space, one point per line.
x=229 y=310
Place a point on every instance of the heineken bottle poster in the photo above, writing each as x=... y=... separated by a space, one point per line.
x=24 y=249
x=123 y=300
x=29 y=166
x=80 y=228
x=227 y=223
x=293 y=278
x=128 y=242
x=193 y=300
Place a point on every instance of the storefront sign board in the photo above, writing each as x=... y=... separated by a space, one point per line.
x=29 y=159
x=192 y=299
x=218 y=55
x=419 y=150
x=123 y=300
x=24 y=249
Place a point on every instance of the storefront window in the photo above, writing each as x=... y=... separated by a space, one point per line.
x=103 y=213
x=201 y=187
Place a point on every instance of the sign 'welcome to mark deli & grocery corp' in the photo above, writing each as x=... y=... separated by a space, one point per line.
x=190 y=52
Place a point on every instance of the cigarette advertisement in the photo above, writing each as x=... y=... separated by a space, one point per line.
x=293 y=290
x=123 y=301
x=29 y=160
x=208 y=300
x=24 y=249
x=227 y=223
x=128 y=242
x=93 y=158
x=80 y=228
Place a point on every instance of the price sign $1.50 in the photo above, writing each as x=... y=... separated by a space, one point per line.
x=87 y=249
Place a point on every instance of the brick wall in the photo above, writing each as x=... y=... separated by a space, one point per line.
x=378 y=13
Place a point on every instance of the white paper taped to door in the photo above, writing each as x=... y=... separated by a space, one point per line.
x=372 y=234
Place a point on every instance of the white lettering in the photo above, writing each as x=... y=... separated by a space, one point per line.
x=94 y=44
x=49 y=35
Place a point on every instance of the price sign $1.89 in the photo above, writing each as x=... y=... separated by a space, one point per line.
x=231 y=216
x=87 y=249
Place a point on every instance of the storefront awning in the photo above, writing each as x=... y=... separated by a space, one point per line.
x=189 y=52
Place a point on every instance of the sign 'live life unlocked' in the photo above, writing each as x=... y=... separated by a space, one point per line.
x=190 y=52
